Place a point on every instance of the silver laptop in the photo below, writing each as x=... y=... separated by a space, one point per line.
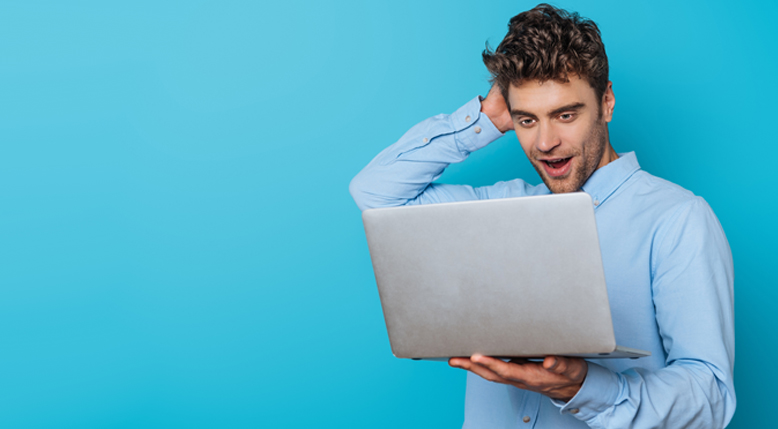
x=514 y=277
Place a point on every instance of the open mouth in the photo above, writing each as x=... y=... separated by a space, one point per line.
x=557 y=167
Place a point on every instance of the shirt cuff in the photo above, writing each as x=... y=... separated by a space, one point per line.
x=476 y=130
x=598 y=393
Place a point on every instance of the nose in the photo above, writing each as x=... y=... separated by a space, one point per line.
x=547 y=138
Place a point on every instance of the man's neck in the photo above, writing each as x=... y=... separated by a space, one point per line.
x=609 y=156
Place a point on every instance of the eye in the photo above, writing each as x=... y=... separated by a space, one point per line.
x=566 y=117
x=526 y=122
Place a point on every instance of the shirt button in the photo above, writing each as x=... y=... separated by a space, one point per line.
x=596 y=203
x=467 y=118
x=526 y=419
x=477 y=130
x=574 y=410
x=425 y=140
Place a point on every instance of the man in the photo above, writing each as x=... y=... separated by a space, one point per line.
x=667 y=262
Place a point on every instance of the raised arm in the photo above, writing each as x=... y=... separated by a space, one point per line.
x=403 y=173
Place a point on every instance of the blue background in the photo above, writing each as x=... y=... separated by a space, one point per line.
x=178 y=247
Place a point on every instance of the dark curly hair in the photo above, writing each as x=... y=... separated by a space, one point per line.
x=547 y=43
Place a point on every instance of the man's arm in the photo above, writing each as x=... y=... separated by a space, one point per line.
x=693 y=296
x=402 y=173
x=694 y=299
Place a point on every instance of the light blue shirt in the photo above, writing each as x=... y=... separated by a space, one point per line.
x=668 y=269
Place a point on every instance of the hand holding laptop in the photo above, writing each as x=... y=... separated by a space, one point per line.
x=556 y=377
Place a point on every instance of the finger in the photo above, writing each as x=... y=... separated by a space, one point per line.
x=572 y=368
x=458 y=362
x=484 y=360
x=489 y=361
x=506 y=370
x=554 y=364
x=464 y=363
x=488 y=374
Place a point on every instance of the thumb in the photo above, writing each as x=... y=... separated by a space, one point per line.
x=555 y=364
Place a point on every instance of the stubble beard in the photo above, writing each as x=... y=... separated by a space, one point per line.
x=591 y=154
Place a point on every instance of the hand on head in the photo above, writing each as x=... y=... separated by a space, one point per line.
x=495 y=107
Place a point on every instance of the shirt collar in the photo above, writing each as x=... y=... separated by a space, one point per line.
x=606 y=180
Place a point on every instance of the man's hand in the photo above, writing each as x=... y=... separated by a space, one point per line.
x=556 y=377
x=495 y=108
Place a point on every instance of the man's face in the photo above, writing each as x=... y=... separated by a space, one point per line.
x=563 y=130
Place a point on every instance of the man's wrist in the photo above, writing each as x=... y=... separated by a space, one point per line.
x=599 y=392
x=568 y=392
x=474 y=129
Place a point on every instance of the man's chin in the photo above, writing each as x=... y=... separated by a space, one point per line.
x=561 y=186
x=564 y=184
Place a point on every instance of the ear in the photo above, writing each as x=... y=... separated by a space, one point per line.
x=608 y=103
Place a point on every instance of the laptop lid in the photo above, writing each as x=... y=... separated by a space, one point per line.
x=505 y=277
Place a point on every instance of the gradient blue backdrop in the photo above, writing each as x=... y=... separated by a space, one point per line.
x=177 y=243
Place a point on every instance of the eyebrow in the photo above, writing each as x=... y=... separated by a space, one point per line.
x=555 y=112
